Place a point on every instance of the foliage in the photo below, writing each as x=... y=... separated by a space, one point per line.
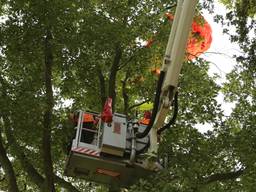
x=97 y=51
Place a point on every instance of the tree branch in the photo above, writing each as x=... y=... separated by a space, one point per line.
x=65 y=184
x=102 y=87
x=18 y=152
x=138 y=104
x=224 y=176
x=15 y=147
x=7 y=166
x=32 y=173
x=47 y=121
x=125 y=94
x=136 y=52
x=113 y=73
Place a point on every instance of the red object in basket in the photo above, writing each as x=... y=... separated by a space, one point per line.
x=107 y=115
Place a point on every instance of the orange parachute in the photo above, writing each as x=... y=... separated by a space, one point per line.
x=155 y=71
x=200 y=38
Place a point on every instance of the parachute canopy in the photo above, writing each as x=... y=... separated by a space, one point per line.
x=200 y=38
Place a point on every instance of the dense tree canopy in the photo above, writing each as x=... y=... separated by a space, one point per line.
x=56 y=51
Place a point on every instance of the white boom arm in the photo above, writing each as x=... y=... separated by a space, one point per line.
x=173 y=60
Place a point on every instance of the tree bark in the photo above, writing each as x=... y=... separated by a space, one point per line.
x=65 y=184
x=113 y=190
x=18 y=152
x=102 y=87
x=138 y=104
x=125 y=95
x=47 y=121
x=113 y=73
x=224 y=176
x=8 y=169
x=16 y=149
x=33 y=174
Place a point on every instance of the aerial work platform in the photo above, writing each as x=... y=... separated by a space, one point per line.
x=115 y=151
x=109 y=158
x=104 y=170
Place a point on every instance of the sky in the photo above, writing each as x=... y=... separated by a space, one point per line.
x=222 y=63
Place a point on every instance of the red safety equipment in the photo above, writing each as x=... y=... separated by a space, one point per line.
x=146 y=118
x=155 y=71
x=149 y=43
x=88 y=118
x=107 y=115
x=169 y=16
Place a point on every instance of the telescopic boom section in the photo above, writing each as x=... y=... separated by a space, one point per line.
x=174 y=56
x=172 y=64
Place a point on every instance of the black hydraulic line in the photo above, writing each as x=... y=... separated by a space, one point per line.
x=171 y=6
x=174 y=117
x=142 y=150
x=155 y=108
x=138 y=152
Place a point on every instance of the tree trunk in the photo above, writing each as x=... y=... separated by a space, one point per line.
x=12 y=142
x=17 y=150
x=8 y=169
x=47 y=121
x=113 y=73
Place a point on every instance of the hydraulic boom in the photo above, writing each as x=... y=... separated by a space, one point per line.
x=110 y=149
x=171 y=67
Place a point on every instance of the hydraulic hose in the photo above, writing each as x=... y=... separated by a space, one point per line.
x=133 y=148
x=138 y=152
x=135 y=128
x=174 y=117
x=155 y=107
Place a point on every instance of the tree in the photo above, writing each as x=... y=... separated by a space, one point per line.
x=27 y=90
x=52 y=51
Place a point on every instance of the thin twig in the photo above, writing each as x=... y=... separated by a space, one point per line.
x=139 y=104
